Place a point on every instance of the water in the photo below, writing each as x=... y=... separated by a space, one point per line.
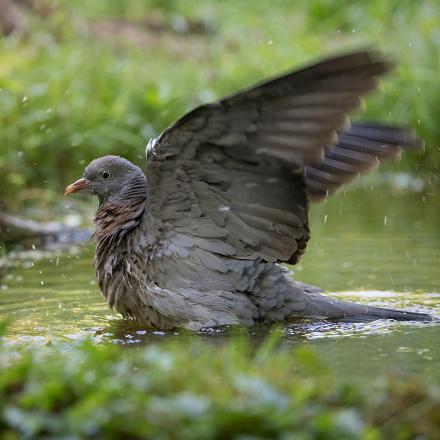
x=377 y=245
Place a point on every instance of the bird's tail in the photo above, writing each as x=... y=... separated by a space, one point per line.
x=282 y=298
x=320 y=306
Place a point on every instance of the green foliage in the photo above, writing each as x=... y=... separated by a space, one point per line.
x=197 y=390
x=68 y=95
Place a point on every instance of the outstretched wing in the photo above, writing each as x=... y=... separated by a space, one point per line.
x=232 y=178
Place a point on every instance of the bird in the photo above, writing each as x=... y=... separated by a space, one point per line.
x=203 y=238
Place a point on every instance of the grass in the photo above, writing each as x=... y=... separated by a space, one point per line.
x=200 y=391
x=67 y=97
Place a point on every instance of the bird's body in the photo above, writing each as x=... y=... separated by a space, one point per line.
x=199 y=240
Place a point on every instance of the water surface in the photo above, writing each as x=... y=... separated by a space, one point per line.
x=373 y=244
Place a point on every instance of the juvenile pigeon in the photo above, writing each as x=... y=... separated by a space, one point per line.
x=199 y=240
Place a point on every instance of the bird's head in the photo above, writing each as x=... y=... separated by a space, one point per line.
x=111 y=178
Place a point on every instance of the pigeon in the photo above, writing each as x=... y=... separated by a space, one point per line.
x=202 y=237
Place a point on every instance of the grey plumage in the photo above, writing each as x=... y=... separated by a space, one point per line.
x=199 y=241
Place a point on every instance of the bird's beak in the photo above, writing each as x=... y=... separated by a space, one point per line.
x=79 y=185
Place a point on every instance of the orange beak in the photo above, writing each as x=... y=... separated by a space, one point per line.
x=79 y=185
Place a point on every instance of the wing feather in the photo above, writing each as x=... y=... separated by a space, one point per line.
x=234 y=177
x=359 y=149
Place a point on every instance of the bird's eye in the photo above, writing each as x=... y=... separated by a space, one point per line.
x=105 y=174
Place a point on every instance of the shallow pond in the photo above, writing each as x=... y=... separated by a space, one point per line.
x=373 y=244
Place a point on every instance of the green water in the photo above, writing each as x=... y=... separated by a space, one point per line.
x=378 y=245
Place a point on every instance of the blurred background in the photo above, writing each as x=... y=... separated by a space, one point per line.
x=80 y=79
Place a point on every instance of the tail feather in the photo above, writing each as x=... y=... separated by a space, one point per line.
x=320 y=306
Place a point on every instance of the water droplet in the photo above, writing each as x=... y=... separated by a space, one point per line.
x=385 y=221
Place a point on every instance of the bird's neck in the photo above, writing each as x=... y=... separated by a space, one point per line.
x=117 y=222
x=118 y=215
